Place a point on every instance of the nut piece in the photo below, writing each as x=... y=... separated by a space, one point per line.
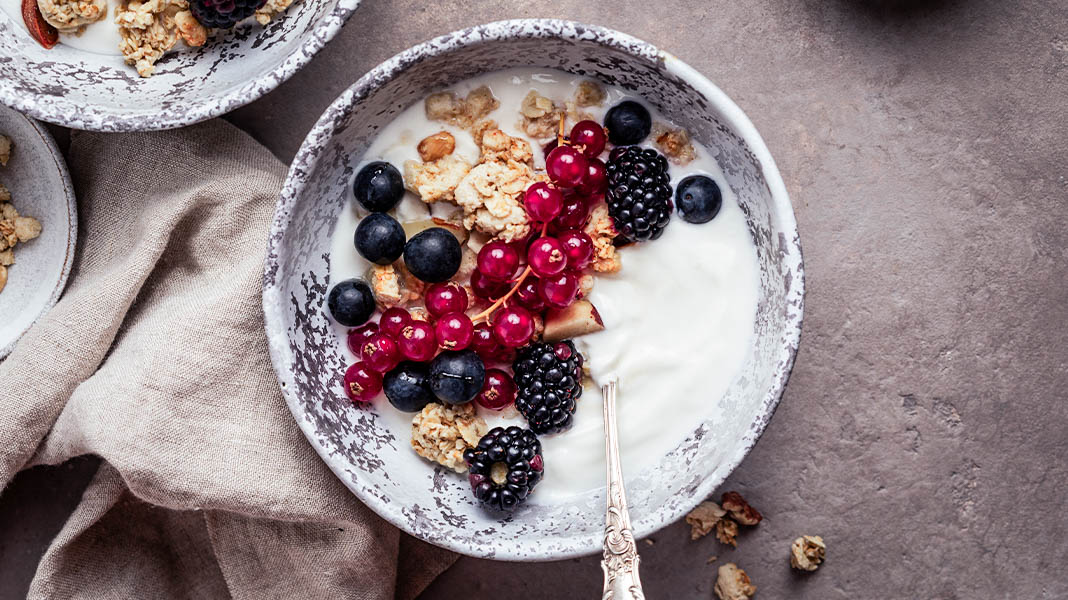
x=733 y=584
x=807 y=552
x=578 y=319
x=674 y=143
x=436 y=146
x=5 y=150
x=740 y=510
x=441 y=433
x=602 y=231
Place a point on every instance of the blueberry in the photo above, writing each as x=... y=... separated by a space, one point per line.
x=628 y=123
x=433 y=255
x=378 y=186
x=408 y=386
x=457 y=377
x=698 y=199
x=379 y=238
x=351 y=302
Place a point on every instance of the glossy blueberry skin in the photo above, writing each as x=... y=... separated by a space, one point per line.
x=628 y=123
x=379 y=238
x=351 y=302
x=698 y=199
x=378 y=186
x=408 y=386
x=433 y=255
x=457 y=377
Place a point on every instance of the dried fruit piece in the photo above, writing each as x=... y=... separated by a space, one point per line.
x=40 y=30
x=807 y=552
x=578 y=319
x=740 y=510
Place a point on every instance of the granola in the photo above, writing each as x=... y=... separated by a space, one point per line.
x=603 y=233
x=393 y=285
x=15 y=229
x=270 y=10
x=5 y=150
x=674 y=143
x=464 y=112
x=72 y=16
x=807 y=552
x=149 y=29
x=435 y=181
x=539 y=116
x=732 y=583
x=491 y=196
x=708 y=517
x=441 y=433
x=589 y=93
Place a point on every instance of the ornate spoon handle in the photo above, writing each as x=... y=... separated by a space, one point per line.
x=620 y=562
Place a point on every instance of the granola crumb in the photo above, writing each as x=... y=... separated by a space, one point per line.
x=190 y=30
x=449 y=108
x=674 y=143
x=807 y=552
x=732 y=583
x=539 y=116
x=603 y=233
x=703 y=519
x=739 y=509
x=711 y=559
x=5 y=150
x=589 y=93
x=72 y=16
x=270 y=10
x=441 y=433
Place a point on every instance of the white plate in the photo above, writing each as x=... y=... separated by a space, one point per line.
x=40 y=186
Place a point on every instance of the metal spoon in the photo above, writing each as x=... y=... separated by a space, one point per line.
x=620 y=562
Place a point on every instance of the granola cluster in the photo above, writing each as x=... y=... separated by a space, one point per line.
x=14 y=228
x=270 y=10
x=393 y=285
x=72 y=16
x=149 y=29
x=465 y=112
x=441 y=433
x=807 y=552
x=722 y=518
x=675 y=143
x=732 y=583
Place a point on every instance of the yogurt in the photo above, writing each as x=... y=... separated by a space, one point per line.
x=679 y=316
x=101 y=37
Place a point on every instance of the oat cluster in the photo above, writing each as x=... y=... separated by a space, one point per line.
x=733 y=583
x=807 y=552
x=150 y=29
x=72 y=16
x=441 y=433
x=14 y=228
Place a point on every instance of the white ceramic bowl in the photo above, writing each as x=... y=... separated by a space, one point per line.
x=90 y=91
x=40 y=187
x=431 y=503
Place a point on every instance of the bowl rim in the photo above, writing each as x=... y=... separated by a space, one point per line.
x=326 y=127
x=72 y=226
x=94 y=118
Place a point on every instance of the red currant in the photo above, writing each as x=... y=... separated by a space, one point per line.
x=444 y=298
x=559 y=291
x=578 y=247
x=483 y=342
x=513 y=326
x=454 y=331
x=590 y=135
x=566 y=166
x=498 y=390
x=596 y=181
x=546 y=256
x=528 y=297
x=498 y=261
x=362 y=384
x=484 y=287
x=543 y=202
x=393 y=320
x=574 y=215
x=417 y=341
x=380 y=352
x=361 y=334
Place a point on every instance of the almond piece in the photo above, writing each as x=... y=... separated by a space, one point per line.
x=578 y=319
x=436 y=146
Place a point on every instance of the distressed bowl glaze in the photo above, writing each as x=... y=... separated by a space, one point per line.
x=90 y=91
x=433 y=504
x=40 y=187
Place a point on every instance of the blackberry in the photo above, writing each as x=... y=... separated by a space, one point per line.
x=549 y=381
x=224 y=14
x=639 y=193
x=504 y=466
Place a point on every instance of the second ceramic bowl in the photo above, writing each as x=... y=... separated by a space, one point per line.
x=430 y=503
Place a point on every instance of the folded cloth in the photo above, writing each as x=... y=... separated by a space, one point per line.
x=155 y=359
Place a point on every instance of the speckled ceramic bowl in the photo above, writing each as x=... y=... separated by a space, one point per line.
x=40 y=187
x=99 y=93
x=433 y=504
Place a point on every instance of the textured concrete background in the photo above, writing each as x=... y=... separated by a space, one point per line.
x=924 y=433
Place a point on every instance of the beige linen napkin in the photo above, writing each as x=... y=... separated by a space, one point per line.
x=155 y=359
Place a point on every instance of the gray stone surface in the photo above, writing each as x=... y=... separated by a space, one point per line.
x=924 y=433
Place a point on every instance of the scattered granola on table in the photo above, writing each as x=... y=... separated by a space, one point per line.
x=807 y=552
x=739 y=509
x=709 y=516
x=733 y=584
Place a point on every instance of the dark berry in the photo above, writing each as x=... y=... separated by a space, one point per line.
x=378 y=186
x=223 y=14
x=408 y=386
x=379 y=238
x=698 y=198
x=351 y=302
x=504 y=467
x=457 y=377
x=639 y=193
x=549 y=381
x=433 y=255
x=628 y=123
